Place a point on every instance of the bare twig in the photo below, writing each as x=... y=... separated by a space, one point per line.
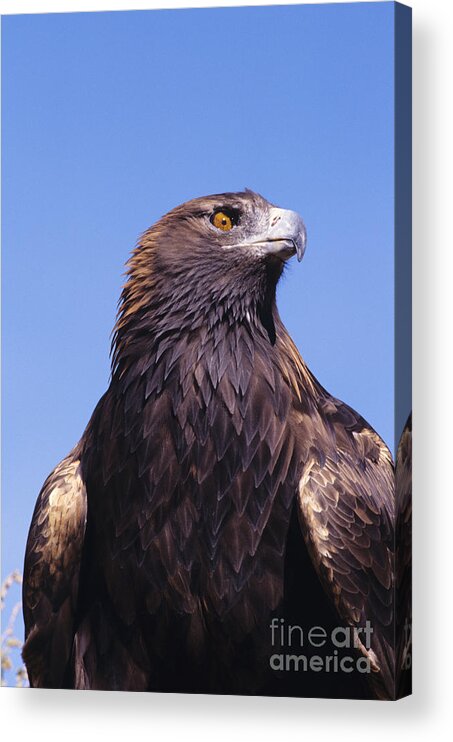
x=9 y=642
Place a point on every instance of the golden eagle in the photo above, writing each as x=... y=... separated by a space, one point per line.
x=218 y=489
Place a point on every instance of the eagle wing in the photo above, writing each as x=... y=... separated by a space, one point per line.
x=51 y=573
x=403 y=541
x=346 y=511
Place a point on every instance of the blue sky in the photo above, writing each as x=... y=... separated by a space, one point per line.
x=111 y=119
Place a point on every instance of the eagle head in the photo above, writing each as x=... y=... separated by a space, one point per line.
x=212 y=258
x=227 y=230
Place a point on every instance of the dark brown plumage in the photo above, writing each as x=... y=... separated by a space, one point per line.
x=163 y=545
x=403 y=580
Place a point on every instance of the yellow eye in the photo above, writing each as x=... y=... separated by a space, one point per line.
x=222 y=221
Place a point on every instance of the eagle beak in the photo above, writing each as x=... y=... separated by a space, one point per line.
x=286 y=235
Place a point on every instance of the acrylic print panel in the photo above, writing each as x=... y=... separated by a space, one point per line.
x=225 y=524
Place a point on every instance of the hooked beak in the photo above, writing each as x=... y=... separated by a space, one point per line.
x=285 y=237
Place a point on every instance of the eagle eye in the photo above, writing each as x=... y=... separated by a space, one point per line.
x=224 y=220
